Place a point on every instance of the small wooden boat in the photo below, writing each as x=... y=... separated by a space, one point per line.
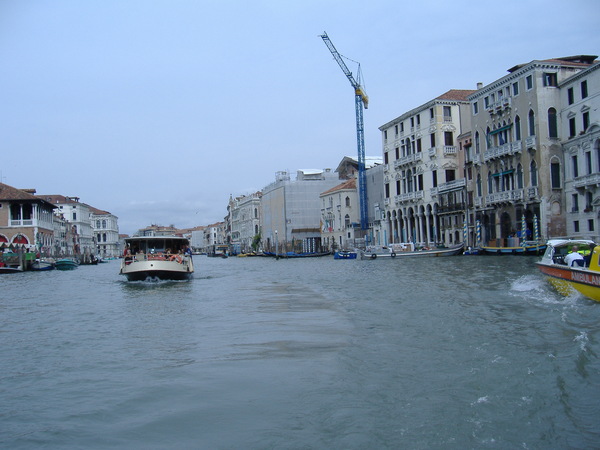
x=67 y=264
x=584 y=278
x=344 y=254
x=42 y=265
x=408 y=250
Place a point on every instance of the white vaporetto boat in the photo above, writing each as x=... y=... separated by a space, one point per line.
x=157 y=257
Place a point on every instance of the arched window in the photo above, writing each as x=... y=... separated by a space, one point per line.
x=477 y=148
x=531 y=123
x=348 y=201
x=519 y=177
x=490 y=184
x=517 y=128
x=533 y=173
x=552 y=123
x=479 y=193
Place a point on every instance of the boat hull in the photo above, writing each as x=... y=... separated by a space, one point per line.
x=528 y=250
x=567 y=279
x=39 y=266
x=155 y=269
x=344 y=255
x=66 y=264
x=453 y=251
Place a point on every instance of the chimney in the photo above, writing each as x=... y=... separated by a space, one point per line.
x=479 y=85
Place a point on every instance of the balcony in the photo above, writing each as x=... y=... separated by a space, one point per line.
x=532 y=193
x=506 y=149
x=408 y=197
x=530 y=142
x=587 y=180
x=504 y=197
x=452 y=186
x=450 y=150
x=408 y=159
x=21 y=223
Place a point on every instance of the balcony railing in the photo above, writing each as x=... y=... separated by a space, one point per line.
x=509 y=148
x=530 y=142
x=450 y=150
x=452 y=185
x=586 y=180
x=505 y=196
x=409 y=196
x=21 y=223
x=408 y=159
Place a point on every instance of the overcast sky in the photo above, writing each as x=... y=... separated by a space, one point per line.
x=157 y=111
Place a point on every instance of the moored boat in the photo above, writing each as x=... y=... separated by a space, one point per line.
x=408 y=250
x=345 y=254
x=157 y=257
x=528 y=249
x=43 y=264
x=568 y=279
x=67 y=264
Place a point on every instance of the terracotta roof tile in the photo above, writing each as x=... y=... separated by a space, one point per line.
x=456 y=94
x=350 y=184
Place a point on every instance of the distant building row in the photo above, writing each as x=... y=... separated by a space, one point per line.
x=518 y=157
x=55 y=225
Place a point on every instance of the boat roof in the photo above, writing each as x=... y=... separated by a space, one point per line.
x=561 y=242
x=155 y=238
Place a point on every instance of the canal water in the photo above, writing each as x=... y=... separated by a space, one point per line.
x=254 y=353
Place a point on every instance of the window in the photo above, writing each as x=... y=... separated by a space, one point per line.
x=347 y=202
x=477 y=148
x=479 y=192
x=448 y=138
x=385 y=158
x=584 y=89
x=533 y=173
x=529 y=82
x=385 y=134
x=550 y=79
x=431 y=114
x=450 y=175
x=589 y=198
x=475 y=107
x=396 y=130
x=575 y=202
x=572 y=127
x=387 y=190
x=531 y=123
x=398 y=192
x=591 y=224
x=555 y=174
x=486 y=102
x=570 y=97
x=401 y=127
x=418 y=119
x=447 y=113
x=576 y=226
x=515 y=88
x=434 y=174
x=575 y=166
x=419 y=148
x=432 y=138
x=420 y=181
x=517 y=128
x=586 y=120
x=74 y=216
x=397 y=153
x=588 y=162
x=412 y=122
x=519 y=177
x=552 y=123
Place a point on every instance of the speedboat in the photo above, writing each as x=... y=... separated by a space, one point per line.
x=568 y=279
x=344 y=254
x=157 y=257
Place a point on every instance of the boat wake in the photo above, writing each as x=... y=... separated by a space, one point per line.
x=535 y=287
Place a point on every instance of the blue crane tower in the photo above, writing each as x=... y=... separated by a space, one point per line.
x=360 y=99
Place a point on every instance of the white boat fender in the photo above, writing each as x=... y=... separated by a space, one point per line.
x=373 y=256
x=393 y=255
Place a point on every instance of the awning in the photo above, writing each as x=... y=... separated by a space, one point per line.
x=506 y=172
x=507 y=127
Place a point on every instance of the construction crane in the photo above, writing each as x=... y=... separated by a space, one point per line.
x=360 y=99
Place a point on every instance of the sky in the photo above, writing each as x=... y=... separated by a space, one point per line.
x=158 y=110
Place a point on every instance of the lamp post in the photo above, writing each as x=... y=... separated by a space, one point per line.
x=276 y=245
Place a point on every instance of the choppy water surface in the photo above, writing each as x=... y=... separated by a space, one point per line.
x=462 y=352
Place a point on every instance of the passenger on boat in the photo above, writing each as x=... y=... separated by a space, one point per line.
x=574 y=258
x=128 y=257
